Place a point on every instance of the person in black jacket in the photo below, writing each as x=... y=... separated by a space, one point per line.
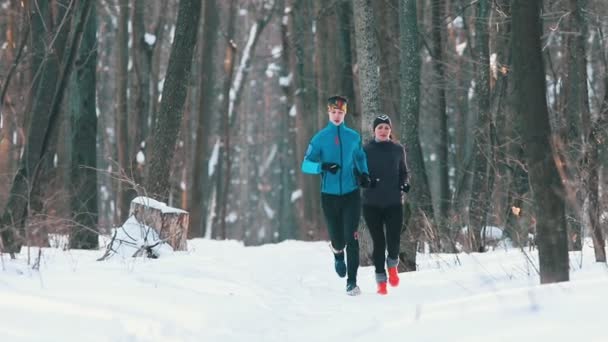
x=382 y=202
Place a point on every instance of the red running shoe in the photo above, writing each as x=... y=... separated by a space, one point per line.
x=382 y=288
x=393 y=276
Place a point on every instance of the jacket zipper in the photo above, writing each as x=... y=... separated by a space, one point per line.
x=341 y=159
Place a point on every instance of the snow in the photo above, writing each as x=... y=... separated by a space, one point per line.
x=149 y=38
x=239 y=75
x=285 y=81
x=162 y=207
x=277 y=51
x=292 y=111
x=140 y=157
x=460 y=48
x=214 y=158
x=296 y=195
x=133 y=237
x=224 y=291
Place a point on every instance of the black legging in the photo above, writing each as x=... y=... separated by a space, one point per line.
x=375 y=219
x=342 y=214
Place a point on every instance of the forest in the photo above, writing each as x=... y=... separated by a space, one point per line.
x=208 y=106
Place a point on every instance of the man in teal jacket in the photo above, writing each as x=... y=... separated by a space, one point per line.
x=336 y=154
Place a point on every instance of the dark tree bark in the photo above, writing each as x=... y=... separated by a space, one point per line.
x=369 y=81
x=288 y=228
x=166 y=127
x=219 y=218
x=597 y=139
x=387 y=17
x=576 y=117
x=478 y=203
x=122 y=112
x=344 y=57
x=438 y=17
x=529 y=77
x=83 y=115
x=201 y=194
x=45 y=121
x=305 y=96
x=419 y=200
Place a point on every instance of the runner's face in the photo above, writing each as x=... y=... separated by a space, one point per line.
x=382 y=132
x=336 y=116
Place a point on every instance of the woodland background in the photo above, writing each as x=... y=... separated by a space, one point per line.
x=209 y=106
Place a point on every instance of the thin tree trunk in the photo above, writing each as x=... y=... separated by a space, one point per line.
x=438 y=17
x=122 y=111
x=481 y=145
x=288 y=227
x=219 y=218
x=199 y=205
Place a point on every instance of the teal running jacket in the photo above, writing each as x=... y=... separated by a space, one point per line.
x=340 y=145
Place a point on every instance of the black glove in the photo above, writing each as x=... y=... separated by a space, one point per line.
x=405 y=187
x=365 y=181
x=331 y=167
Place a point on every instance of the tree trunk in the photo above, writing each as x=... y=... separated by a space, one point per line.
x=369 y=76
x=199 y=204
x=122 y=111
x=288 y=227
x=171 y=224
x=438 y=17
x=597 y=139
x=219 y=218
x=419 y=199
x=83 y=115
x=142 y=56
x=576 y=117
x=164 y=136
x=44 y=122
x=305 y=99
x=481 y=146
x=529 y=78
x=387 y=17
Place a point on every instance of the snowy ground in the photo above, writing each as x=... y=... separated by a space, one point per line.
x=222 y=291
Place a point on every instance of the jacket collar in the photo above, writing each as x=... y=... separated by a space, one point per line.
x=331 y=125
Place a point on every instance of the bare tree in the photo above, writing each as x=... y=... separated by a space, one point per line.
x=480 y=187
x=437 y=18
x=369 y=76
x=54 y=75
x=419 y=201
x=199 y=204
x=166 y=127
x=83 y=115
x=529 y=78
x=122 y=110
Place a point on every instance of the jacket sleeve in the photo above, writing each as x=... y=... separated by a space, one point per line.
x=403 y=169
x=312 y=159
x=361 y=159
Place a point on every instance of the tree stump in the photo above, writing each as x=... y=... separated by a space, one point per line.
x=170 y=223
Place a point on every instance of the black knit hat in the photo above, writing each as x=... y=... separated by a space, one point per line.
x=381 y=119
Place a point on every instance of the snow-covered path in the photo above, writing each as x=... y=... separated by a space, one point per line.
x=222 y=291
